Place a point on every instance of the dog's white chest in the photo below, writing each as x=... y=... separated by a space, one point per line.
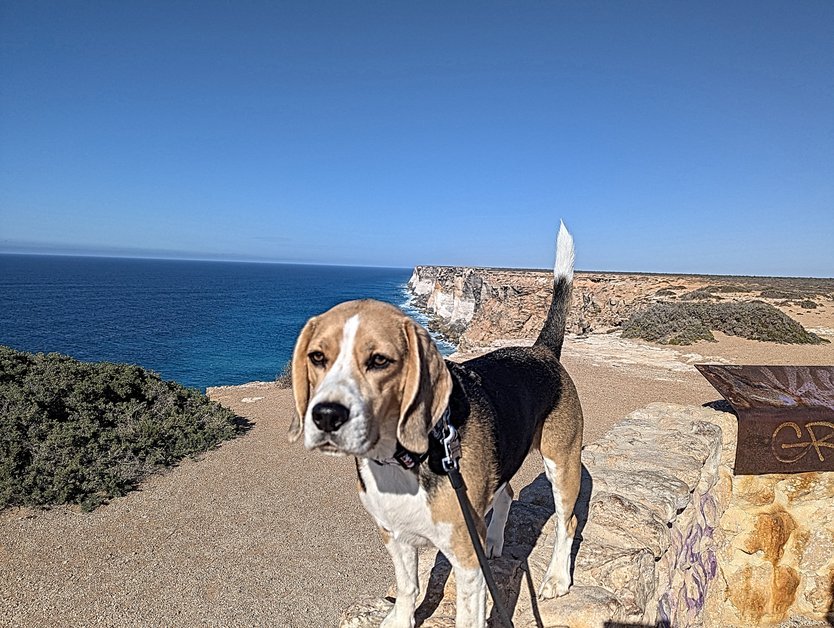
x=395 y=499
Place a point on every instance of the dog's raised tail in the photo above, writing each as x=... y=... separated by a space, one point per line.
x=552 y=334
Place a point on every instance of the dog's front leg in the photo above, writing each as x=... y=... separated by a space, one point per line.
x=471 y=597
x=405 y=569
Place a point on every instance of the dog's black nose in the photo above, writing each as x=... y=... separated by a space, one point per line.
x=329 y=417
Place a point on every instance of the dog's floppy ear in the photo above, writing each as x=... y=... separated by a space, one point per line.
x=300 y=381
x=426 y=389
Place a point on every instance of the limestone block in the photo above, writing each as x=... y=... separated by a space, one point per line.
x=817 y=548
x=776 y=550
x=802 y=488
x=582 y=607
x=631 y=573
x=618 y=522
x=662 y=492
x=668 y=445
x=683 y=467
x=751 y=491
x=818 y=593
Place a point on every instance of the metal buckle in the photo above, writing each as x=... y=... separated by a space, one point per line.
x=451 y=445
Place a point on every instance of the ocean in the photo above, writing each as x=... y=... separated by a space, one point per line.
x=198 y=323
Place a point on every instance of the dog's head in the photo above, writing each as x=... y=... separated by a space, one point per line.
x=364 y=375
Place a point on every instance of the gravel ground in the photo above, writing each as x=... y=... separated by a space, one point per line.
x=257 y=532
x=260 y=532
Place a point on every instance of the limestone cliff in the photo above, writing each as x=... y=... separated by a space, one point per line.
x=475 y=307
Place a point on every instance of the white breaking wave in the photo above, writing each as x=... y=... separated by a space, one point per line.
x=446 y=347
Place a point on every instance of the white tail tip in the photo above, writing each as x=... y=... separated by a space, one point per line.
x=564 y=254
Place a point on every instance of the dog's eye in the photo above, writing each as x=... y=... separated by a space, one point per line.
x=378 y=361
x=317 y=358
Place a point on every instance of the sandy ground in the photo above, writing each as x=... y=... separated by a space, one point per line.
x=260 y=532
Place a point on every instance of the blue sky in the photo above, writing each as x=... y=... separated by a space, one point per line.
x=670 y=136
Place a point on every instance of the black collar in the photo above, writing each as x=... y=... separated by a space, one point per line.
x=410 y=460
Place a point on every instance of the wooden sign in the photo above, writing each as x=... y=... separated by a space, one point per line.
x=785 y=416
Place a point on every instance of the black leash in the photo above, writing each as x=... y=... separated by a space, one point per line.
x=451 y=444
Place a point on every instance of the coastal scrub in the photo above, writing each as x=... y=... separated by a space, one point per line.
x=688 y=322
x=77 y=432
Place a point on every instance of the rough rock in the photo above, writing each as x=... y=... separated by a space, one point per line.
x=667 y=536
x=775 y=550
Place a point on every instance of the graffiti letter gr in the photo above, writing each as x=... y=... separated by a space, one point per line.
x=803 y=446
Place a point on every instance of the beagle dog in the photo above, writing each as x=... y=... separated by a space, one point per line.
x=369 y=382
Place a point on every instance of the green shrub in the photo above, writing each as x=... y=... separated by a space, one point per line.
x=685 y=323
x=76 y=432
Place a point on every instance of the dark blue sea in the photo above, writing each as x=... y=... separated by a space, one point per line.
x=199 y=323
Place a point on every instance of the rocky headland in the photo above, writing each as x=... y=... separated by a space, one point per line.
x=479 y=307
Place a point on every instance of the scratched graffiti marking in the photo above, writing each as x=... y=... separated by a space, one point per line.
x=815 y=441
x=785 y=415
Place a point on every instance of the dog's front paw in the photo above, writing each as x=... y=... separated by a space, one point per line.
x=494 y=547
x=553 y=587
x=397 y=620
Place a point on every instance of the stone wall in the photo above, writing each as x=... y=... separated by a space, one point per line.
x=667 y=537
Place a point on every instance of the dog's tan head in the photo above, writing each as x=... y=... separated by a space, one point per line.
x=365 y=375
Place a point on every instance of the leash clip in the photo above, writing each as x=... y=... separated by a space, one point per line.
x=451 y=445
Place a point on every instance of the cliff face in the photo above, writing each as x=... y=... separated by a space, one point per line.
x=476 y=307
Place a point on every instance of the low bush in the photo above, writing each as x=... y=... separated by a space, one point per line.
x=685 y=323
x=284 y=378
x=701 y=294
x=773 y=293
x=76 y=432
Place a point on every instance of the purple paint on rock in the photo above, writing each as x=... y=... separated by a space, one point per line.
x=692 y=540
x=663 y=609
x=711 y=565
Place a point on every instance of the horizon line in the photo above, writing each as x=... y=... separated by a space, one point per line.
x=336 y=265
x=214 y=260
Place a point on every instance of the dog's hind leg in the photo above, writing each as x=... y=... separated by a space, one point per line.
x=404 y=558
x=560 y=443
x=564 y=479
x=500 y=510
